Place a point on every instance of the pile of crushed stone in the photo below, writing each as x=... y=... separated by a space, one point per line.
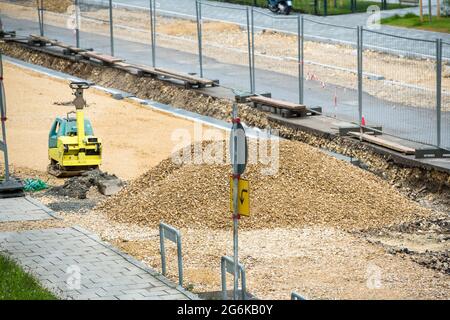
x=78 y=187
x=310 y=188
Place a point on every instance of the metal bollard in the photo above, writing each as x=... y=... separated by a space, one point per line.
x=172 y=234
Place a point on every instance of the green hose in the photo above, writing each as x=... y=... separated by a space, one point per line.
x=32 y=185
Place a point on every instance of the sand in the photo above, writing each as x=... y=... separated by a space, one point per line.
x=135 y=138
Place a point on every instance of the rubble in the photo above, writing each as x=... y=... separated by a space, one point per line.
x=310 y=188
x=78 y=187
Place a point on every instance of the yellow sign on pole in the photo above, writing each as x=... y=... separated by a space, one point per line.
x=243 y=197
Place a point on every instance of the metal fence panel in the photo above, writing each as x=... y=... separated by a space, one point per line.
x=132 y=33
x=60 y=20
x=445 y=109
x=276 y=55
x=24 y=12
x=331 y=72
x=400 y=86
x=225 y=45
x=94 y=25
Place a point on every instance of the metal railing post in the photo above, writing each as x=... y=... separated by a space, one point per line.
x=438 y=90
x=253 y=49
x=172 y=234
x=250 y=50
x=3 y=145
x=111 y=27
x=360 y=74
x=300 y=35
x=296 y=296
x=198 y=6
x=180 y=260
x=224 y=279
x=162 y=249
x=227 y=265
x=152 y=32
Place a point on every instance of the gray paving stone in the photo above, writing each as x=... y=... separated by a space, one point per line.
x=23 y=209
x=105 y=272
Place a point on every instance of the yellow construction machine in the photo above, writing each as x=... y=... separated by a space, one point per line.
x=72 y=147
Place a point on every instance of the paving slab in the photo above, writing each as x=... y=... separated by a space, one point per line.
x=44 y=254
x=24 y=209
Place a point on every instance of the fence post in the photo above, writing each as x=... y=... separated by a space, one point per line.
x=111 y=28
x=77 y=22
x=250 y=51
x=438 y=90
x=300 y=34
x=198 y=6
x=152 y=32
x=360 y=74
x=253 y=50
x=40 y=12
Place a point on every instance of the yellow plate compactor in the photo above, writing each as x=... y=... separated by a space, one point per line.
x=72 y=146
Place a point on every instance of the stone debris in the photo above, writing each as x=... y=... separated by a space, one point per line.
x=310 y=188
x=78 y=187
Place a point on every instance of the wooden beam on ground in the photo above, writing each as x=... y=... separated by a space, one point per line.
x=280 y=104
x=188 y=77
x=57 y=43
x=101 y=57
x=382 y=142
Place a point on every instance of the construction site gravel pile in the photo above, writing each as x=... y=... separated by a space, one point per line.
x=309 y=188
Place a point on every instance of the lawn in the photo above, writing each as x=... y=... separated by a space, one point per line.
x=411 y=20
x=15 y=284
x=333 y=6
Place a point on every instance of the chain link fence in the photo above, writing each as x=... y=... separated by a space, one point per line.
x=331 y=71
x=400 y=86
x=27 y=11
x=174 y=41
x=276 y=55
x=223 y=56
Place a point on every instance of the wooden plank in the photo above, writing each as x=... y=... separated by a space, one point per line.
x=189 y=77
x=384 y=143
x=102 y=57
x=278 y=103
x=154 y=71
x=57 y=43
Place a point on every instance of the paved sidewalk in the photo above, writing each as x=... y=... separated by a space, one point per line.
x=75 y=264
x=24 y=209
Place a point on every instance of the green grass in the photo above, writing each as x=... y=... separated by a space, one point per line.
x=411 y=20
x=15 y=284
x=334 y=7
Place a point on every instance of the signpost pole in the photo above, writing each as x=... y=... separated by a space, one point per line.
x=235 y=204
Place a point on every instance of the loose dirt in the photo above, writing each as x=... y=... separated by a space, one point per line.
x=317 y=262
x=310 y=188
